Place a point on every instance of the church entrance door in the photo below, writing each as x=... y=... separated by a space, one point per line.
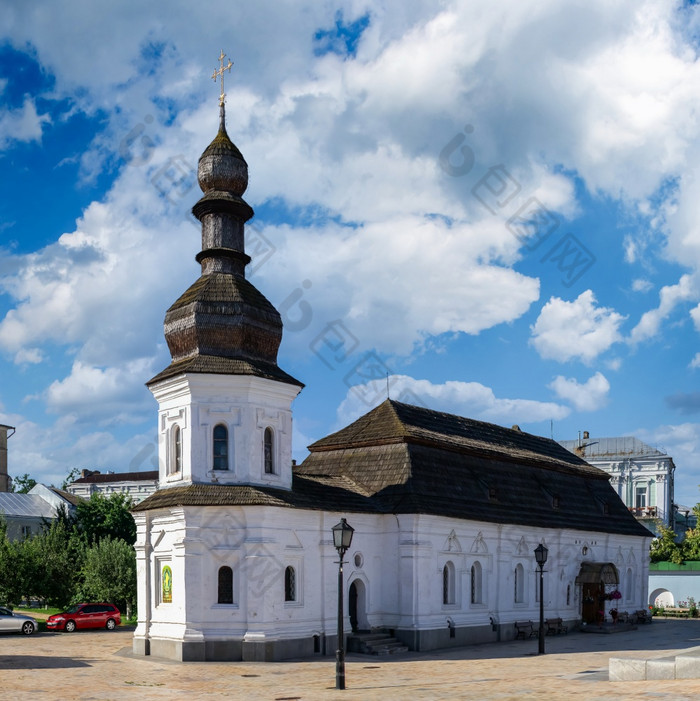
x=591 y=602
x=356 y=606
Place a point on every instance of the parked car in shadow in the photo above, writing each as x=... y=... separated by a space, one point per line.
x=11 y=622
x=83 y=616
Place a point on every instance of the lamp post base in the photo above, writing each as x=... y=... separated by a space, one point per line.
x=340 y=669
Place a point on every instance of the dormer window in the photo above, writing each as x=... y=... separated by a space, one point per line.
x=493 y=493
x=555 y=501
x=268 y=452
x=220 y=447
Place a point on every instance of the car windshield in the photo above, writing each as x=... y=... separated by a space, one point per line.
x=73 y=609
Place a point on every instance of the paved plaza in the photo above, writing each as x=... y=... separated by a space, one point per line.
x=99 y=665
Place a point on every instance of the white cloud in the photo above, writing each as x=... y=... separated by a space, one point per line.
x=469 y=399
x=695 y=316
x=23 y=124
x=695 y=362
x=341 y=123
x=641 y=285
x=114 y=395
x=579 y=329
x=29 y=356
x=103 y=288
x=669 y=297
x=587 y=396
x=391 y=289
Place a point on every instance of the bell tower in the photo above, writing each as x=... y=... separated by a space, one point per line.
x=224 y=403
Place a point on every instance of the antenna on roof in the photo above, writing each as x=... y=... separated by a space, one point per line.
x=551 y=429
x=387 y=385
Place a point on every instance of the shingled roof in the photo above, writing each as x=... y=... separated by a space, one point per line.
x=394 y=422
x=406 y=459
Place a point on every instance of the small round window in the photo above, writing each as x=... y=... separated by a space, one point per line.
x=358 y=560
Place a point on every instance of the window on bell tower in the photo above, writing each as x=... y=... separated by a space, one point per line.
x=220 y=447
x=268 y=452
x=175 y=463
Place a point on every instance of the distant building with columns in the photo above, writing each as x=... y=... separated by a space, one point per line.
x=642 y=476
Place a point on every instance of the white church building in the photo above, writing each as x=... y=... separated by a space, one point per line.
x=234 y=550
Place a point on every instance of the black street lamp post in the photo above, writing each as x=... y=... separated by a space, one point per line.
x=541 y=558
x=342 y=538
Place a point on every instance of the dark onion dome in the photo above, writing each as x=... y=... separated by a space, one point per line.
x=222 y=166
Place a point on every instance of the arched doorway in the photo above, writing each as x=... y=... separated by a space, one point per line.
x=357 y=606
x=662 y=598
x=595 y=578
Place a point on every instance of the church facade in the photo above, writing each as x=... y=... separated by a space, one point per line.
x=235 y=555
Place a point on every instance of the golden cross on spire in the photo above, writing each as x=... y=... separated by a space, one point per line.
x=220 y=72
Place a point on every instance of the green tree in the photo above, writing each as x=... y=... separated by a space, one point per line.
x=23 y=483
x=109 y=574
x=690 y=546
x=19 y=568
x=61 y=553
x=665 y=549
x=106 y=517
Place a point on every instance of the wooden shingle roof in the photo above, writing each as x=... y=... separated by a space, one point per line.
x=405 y=459
x=393 y=421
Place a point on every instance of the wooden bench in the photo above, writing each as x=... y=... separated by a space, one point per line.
x=676 y=612
x=524 y=629
x=641 y=616
x=623 y=617
x=555 y=626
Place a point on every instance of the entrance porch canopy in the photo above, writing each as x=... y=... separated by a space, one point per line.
x=597 y=572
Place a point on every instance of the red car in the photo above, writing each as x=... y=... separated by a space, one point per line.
x=85 y=616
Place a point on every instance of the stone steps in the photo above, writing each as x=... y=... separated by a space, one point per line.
x=375 y=643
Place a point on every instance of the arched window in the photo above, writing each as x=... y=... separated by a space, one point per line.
x=519 y=584
x=225 y=585
x=476 y=583
x=220 y=447
x=268 y=451
x=176 y=461
x=448 y=584
x=290 y=584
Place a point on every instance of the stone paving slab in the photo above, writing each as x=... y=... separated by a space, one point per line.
x=99 y=665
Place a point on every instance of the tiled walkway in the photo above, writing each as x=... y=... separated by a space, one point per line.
x=99 y=665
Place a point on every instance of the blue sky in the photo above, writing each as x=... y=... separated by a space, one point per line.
x=493 y=204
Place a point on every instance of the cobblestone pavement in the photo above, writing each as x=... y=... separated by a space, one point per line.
x=99 y=665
